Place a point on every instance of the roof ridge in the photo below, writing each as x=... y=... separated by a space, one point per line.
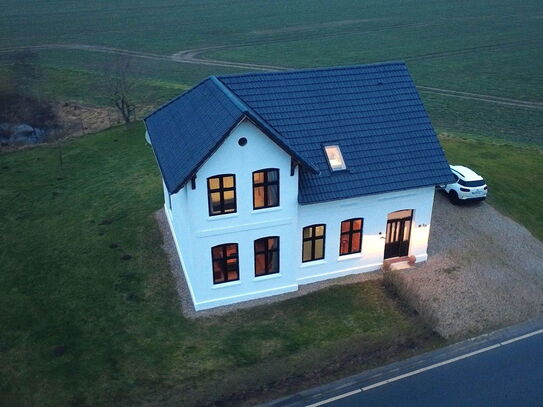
x=235 y=99
x=176 y=98
x=321 y=69
x=253 y=115
x=300 y=110
x=241 y=104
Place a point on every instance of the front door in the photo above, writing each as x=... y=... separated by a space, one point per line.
x=398 y=234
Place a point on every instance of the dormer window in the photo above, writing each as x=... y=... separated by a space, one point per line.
x=335 y=158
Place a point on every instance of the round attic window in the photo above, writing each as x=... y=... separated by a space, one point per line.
x=242 y=141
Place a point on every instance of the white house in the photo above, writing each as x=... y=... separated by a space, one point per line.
x=272 y=180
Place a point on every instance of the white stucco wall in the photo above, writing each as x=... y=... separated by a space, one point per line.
x=200 y=231
x=374 y=209
x=196 y=232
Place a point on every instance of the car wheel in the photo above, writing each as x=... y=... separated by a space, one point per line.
x=453 y=197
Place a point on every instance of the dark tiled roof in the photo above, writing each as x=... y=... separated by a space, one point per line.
x=373 y=112
x=186 y=130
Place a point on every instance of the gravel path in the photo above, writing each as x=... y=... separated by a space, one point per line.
x=484 y=271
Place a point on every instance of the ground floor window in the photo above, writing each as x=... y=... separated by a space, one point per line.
x=313 y=242
x=225 y=263
x=351 y=236
x=267 y=256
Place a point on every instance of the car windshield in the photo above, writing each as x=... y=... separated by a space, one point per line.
x=479 y=183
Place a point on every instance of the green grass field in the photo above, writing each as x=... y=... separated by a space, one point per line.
x=491 y=47
x=63 y=233
x=64 y=228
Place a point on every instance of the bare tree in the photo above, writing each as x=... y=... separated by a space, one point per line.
x=119 y=84
x=26 y=116
x=20 y=93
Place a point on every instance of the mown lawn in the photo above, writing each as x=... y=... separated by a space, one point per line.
x=80 y=325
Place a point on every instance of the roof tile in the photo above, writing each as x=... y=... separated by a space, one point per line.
x=373 y=112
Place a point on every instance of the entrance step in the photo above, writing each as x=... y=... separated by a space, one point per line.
x=400 y=263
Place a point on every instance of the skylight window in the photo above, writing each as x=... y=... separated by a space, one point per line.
x=335 y=159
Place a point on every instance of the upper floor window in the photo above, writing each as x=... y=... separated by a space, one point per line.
x=221 y=194
x=335 y=158
x=225 y=263
x=267 y=256
x=266 y=188
x=313 y=242
x=350 y=240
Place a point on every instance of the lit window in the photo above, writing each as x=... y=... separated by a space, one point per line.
x=335 y=159
x=265 y=188
x=221 y=194
x=267 y=256
x=313 y=242
x=350 y=237
x=225 y=263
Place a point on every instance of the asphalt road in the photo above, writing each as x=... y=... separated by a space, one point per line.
x=510 y=375
x=503 y=368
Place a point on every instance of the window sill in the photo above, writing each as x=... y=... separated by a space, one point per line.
x=266 y=210
x=351 y=256
x=267 y=277
x=225 y=285
x=225 y=216
x=313 y=263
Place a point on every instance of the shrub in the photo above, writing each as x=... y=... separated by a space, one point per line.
x=400 y=287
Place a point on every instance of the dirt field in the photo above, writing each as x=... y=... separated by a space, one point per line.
x=79 y=119
x=484 y=272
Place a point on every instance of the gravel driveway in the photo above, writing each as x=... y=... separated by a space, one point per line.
x=484 y=271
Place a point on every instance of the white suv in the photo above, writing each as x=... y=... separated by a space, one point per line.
x=468 y=186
